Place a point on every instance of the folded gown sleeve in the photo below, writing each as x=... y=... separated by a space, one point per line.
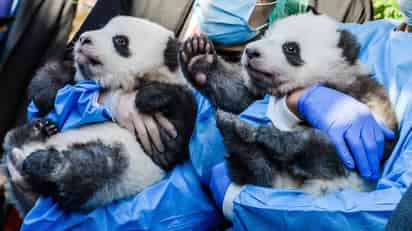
x=74 y=106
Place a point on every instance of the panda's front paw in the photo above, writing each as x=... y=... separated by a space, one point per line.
x=197 y=56
x=230 y=125
x=45 y=127
x=154 y=97
x=169 y=158
x=39 y=129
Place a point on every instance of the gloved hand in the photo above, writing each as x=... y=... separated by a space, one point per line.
x=351 y=126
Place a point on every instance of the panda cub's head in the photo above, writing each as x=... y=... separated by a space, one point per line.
x=126 y=51
x=300 y=50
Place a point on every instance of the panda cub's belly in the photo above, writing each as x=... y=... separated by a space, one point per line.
x=140 y=172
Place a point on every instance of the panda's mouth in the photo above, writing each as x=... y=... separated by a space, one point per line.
x=94 y=61
x=262 y=79
x=86 y=59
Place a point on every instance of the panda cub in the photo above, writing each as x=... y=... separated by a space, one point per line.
x=90 y=166
x=295 y=52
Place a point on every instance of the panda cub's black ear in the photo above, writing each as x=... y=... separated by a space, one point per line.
x=170 y=54
x=349 y=45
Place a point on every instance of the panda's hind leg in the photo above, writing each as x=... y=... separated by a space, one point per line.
x=72 y=176
x=246 y=161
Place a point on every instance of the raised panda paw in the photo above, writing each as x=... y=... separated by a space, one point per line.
x=197 y=57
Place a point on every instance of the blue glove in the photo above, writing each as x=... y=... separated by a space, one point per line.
x=75 y=105
x=350 y=125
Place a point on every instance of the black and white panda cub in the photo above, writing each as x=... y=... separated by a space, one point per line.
x=295 y=52
x=90 y=166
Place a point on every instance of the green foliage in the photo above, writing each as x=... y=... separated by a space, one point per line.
x=387 y=9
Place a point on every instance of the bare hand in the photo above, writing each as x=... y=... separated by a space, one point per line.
x=146 y=127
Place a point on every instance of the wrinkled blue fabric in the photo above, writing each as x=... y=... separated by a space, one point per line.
x=74 y=106
x=219 y=183
x=387 y=54
x=175 y=203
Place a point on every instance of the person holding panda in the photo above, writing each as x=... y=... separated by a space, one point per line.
x=311 y=105
x=227 y=33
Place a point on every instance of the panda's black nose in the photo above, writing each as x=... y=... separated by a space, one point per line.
x=85 y=40
x=252 y=53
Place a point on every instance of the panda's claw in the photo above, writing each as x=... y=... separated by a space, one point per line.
x=195 y=45
x=39 y=124
x=183 y=57
x=188 y=47
x=207 y=48
x=50 y=128
x=201 y=42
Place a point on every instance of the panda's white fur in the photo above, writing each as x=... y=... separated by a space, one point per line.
x=97 y=59
x=317 y=37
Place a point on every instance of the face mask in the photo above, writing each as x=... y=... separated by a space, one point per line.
x=227 y=22
x=406 y=7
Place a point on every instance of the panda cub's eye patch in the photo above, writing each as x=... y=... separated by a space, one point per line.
x=291 y=50
x=121 y=44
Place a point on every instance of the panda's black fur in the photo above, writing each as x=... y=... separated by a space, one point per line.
x=90 y=166
x=266 y=156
